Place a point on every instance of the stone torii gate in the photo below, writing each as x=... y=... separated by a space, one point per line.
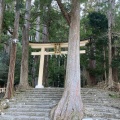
x=56 y=50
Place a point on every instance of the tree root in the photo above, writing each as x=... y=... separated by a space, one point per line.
x=22 y=87
x=69 y=108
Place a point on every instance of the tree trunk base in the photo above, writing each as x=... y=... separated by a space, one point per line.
x=22 y=87
x=69 y=108
x=114 y=87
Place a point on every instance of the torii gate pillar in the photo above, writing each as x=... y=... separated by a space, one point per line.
x=41 y=66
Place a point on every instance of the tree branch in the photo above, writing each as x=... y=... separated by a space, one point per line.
x=65 y=14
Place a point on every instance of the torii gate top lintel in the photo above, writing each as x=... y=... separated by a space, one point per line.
x=38 y=45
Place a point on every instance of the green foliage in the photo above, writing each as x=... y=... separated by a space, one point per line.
x=67 y=6
x=56 y=71
x=101 y=42
x=116 y=62
x=18 y=63
x=83 y=1
x=19 y=4
x=8 y=20
x=58 y=27
x=8 y=1
x=114 y=95
x=85 y=29
x=4 y=65
x=98 y=22
x=4 y=39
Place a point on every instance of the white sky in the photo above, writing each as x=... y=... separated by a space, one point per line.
x=33 y=1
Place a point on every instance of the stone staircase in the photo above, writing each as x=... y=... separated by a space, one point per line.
x=35 y=104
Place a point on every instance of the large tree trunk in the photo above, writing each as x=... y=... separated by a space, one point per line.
x=92 y=65
x=88 y=78
x=115 y=74
x=114 y=69
x=37 y=39
x=45 y=38
x=10 y=82
x=1 y=16
x=25 y=44
x=70 y=106
x=110 y=25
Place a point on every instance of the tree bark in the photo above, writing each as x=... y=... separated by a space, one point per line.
x=37 y=38
x=105 y=73
x=114 y=69
x=110 y=25
x=1 y=16
x=10 y=82
x=25 y=44
x=45 y=38
x=92 y=65
x=70 y=106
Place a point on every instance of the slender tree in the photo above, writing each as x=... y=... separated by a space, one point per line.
x=92 y=63
x=1 y=15
x=114 y=50
x=25 y=44
x=45 y=38
x=70 y=106
x=110 y=26
x=37 y=38
x=10 y=82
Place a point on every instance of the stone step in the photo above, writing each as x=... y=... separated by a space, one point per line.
x=60 y=95
x=102 y=114
x=40 y=98
x=46 y=88
x=33 y=101
x=53 y=95
x=28 y=113
x=61 y=90
x=50 y=103
x=42 y=92
x=9 y=117
x=97 y=118
x=102 y=109
x=39 y=104
x=32 y=106
x=29 y=110
x=44 y=100
x=56 y=92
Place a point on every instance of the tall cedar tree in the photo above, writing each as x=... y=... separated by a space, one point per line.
x=70 y=107
x=25 y=44
x=110 y=26
x=10 y=82
x=1 y=16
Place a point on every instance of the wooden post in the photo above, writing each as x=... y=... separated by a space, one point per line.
x=41 y=69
